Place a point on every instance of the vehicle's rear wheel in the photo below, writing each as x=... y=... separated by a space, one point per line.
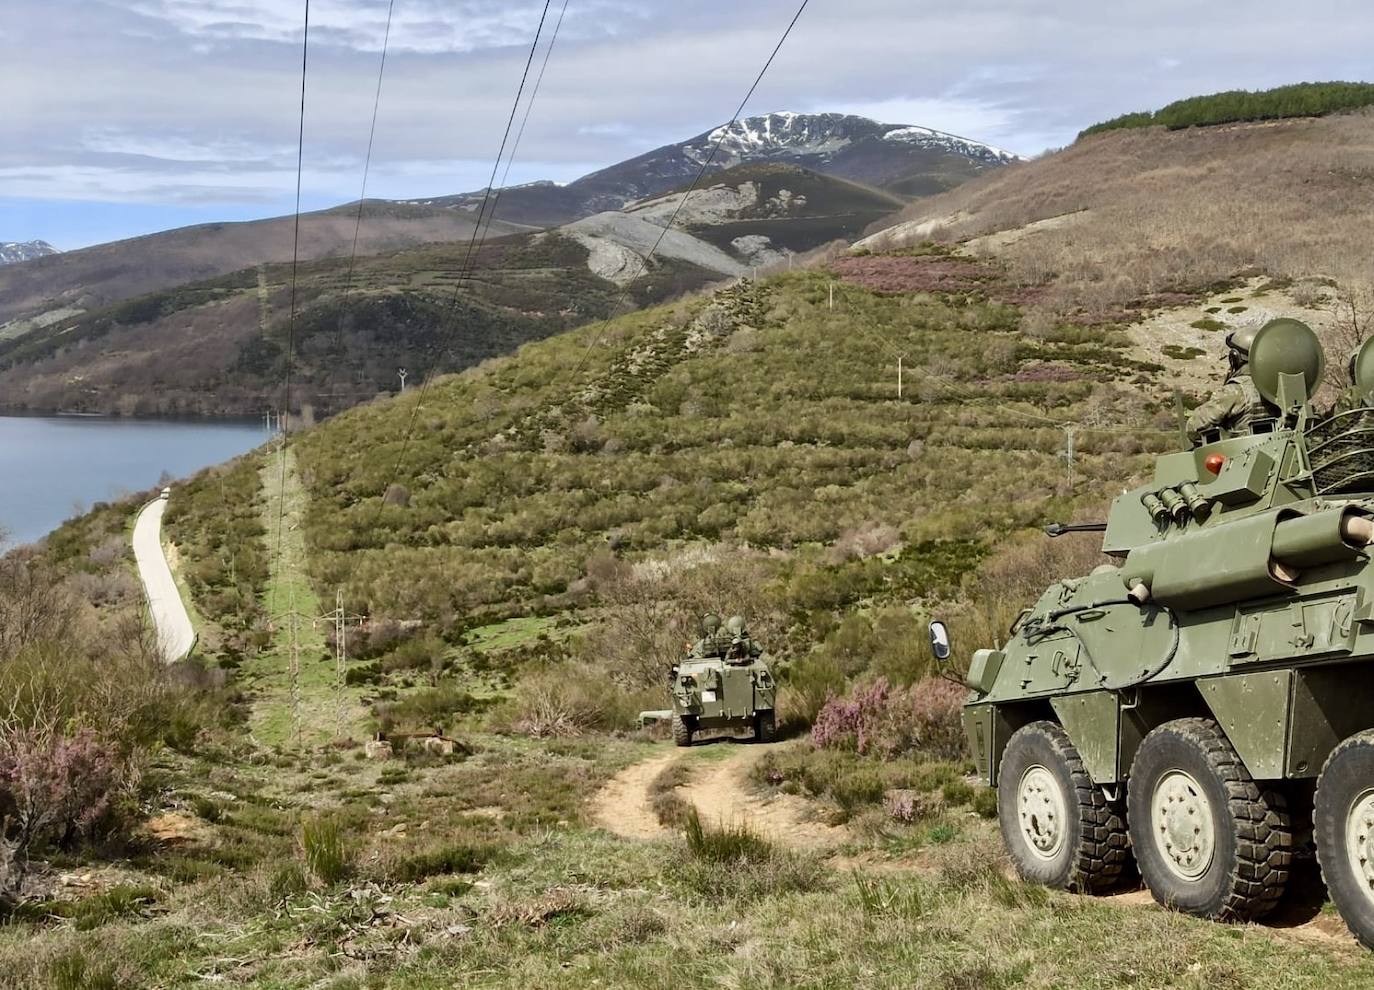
x=765 y=726
x=682 y=731
x=1058 y=826
x=1208 y=839
x=1344 y=821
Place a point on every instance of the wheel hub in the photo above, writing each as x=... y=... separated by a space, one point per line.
x=1359 y=841
x=1041 y=812
x=1183 y=824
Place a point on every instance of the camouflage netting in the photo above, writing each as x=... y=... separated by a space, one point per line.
x=1341 y=452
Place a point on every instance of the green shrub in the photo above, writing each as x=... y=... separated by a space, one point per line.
x=325 y=849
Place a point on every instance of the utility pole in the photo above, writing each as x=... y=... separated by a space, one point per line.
x=401 y=373
x=1069 y=454
x=899 y=376
x=294 y=671
x=832 y=295
x=340 y=655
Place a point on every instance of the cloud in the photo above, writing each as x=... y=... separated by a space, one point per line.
x=145 y=101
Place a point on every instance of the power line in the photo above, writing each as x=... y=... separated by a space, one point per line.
x=367 y=160
x=295 y=261
x=724 y=133
x=293 y=668
x=469 y=257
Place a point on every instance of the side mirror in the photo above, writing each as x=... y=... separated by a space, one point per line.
x=939 y=642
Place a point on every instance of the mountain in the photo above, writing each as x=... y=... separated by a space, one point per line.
x=900 y=158
x=12 y=251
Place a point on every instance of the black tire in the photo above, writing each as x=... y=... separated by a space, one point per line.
x=1343 y=790
x=682 y=731
x=1086 y=850
x=1234 y=869
x=765 y=726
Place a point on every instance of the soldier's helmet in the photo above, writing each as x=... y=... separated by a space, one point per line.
x=1239 y=343
x=710 y=622
x=735 y=626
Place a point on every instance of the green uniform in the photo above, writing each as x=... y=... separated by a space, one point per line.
x=1232 y=409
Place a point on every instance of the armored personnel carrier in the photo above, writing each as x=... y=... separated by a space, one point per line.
x=1199 y=701
x=724 y=685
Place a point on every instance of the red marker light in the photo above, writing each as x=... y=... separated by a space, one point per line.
x=1214 y=462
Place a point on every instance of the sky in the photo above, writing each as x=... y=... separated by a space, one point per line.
x=122 y=117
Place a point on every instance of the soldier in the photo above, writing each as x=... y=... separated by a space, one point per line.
x=1237 y=405
x=710 y=644
x=741 y=648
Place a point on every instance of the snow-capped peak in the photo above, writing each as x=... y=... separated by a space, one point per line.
x=15 y=251
x=786 y=133
x=928 y=137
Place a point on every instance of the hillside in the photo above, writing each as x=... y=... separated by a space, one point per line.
x=93 y=277
x=218 y=347
x=1129 y=213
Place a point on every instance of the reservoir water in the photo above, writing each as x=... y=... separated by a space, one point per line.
x=53 y=467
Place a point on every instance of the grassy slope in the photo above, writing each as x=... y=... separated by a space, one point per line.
x=782 y=431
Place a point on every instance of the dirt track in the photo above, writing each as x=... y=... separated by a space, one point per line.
x=720 y=792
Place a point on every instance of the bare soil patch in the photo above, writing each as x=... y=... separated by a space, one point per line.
x=721 y=794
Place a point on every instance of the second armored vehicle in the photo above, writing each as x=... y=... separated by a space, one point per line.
x=723 y=685
x=1205 y=702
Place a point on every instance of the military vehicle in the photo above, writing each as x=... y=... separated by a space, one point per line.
x=1197 y=702
x=723 y=685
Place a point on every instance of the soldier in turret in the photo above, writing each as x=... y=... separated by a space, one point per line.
x=1234 y=408
x=712 y=642
x=742 y=648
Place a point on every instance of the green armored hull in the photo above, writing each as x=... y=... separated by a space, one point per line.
x=1205 y=703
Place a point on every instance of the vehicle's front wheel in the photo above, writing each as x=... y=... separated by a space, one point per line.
x=682 y=731
x=1208 y=839
x=1058 y=826
x=1344 y=821
x=765 y=726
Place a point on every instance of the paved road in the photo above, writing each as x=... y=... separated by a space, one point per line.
x=175 y=636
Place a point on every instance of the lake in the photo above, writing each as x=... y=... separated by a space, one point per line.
x=53 y=467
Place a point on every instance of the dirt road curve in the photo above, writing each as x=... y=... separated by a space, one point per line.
x=175 y=637
x=721 y=794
